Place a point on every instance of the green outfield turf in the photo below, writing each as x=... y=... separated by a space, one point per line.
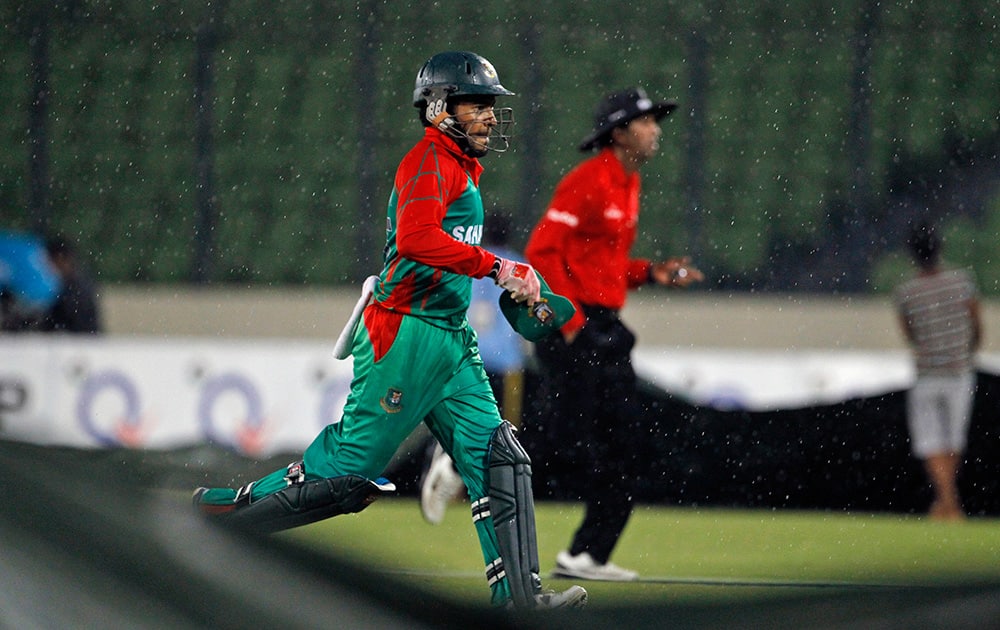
x=114 y=535
x=685 y=555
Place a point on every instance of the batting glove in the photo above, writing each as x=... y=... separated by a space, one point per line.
x=517 y=277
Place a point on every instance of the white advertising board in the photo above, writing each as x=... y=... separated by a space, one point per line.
x=261 y=397
x=255 y=397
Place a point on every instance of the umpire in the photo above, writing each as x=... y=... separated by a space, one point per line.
x=582 y=246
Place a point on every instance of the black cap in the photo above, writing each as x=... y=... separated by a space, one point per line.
x=619 y=108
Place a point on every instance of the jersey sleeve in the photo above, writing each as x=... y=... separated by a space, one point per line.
x=638 y=272
x=545 y=249
x=547 y=246
x=424 y=195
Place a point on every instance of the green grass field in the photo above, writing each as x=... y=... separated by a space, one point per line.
x=701 y=557
x=115 y=549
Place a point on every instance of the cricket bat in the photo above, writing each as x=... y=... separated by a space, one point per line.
x=342 y=349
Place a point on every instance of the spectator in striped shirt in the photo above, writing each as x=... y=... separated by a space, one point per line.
x=939 y=313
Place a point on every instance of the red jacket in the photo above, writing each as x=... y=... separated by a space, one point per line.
x=582 y=244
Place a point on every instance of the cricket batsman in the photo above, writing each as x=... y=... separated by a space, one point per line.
x=416 y=358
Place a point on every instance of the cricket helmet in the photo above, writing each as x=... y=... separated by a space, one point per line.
x=456 y=73
x=451 y=76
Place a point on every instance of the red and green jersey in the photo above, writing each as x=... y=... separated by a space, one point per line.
x=433 y=230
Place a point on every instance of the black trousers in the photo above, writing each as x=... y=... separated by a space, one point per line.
x=592 y=413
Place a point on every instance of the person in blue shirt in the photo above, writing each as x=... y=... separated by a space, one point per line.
x=29 y=285
x=501 y=347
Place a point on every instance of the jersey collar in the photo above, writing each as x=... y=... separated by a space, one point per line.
x=614 y=165
x=438 y=137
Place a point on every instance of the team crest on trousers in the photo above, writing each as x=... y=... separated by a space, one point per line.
x=392 y=402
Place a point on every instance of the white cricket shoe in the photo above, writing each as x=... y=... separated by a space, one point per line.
x=584 y=567
x=573 y=597
x=441 y=486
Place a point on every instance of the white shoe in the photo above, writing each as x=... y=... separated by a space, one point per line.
x=584 y=567
x=441 y=485
x=573 y=597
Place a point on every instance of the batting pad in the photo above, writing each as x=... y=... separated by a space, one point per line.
x=541 y=319
x=512 y=509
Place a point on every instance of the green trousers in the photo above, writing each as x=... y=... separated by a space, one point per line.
x=407 y=371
